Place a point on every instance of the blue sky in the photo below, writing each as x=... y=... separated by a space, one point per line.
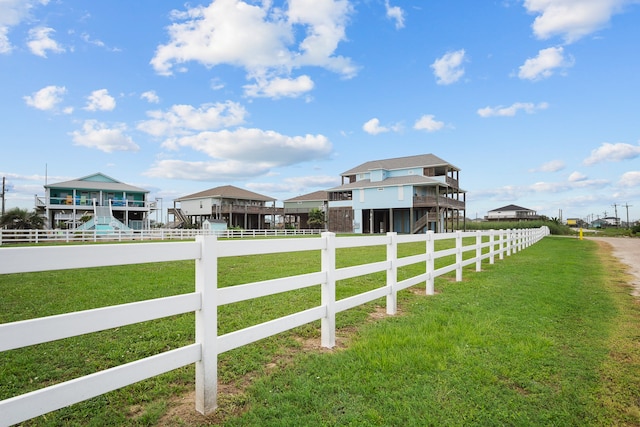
x=536 y=101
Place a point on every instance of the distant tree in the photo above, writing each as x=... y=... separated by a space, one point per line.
x=316 y=218
x=21 y=219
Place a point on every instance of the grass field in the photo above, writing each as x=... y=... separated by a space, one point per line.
x=547 y=336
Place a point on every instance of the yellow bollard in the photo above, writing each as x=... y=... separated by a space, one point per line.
x=581 y=234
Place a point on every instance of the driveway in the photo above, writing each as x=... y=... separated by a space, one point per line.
x=627 y=250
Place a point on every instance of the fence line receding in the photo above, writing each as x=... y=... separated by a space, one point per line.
x=207 y=297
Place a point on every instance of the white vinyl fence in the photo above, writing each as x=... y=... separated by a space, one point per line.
x=207 y=297
x=68 y=236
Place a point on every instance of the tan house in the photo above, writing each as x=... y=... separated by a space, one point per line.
x=236 y=206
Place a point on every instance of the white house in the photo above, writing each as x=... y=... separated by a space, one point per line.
x=512 y=213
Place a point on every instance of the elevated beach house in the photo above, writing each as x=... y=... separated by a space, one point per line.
x=236 y=206
x=512 y=213
x=405 y=194
x=111 y=204
x=296 y=210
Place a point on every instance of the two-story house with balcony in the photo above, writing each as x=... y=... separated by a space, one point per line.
x=406 y=194
x=117 y=204
x=235 y=206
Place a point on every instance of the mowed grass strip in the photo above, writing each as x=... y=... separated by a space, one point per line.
x=526 y=342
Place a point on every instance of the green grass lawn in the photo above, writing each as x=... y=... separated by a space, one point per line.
x=547 y=336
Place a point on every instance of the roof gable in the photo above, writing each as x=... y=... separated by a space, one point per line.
x=510 y=208
x=227 y=192
x=315 y=196
x=421 y=160
x=99 y=177
x=97 y=181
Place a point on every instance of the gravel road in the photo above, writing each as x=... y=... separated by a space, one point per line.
x=627 y=250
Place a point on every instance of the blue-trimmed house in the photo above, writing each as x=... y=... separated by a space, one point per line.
x=405 y=194
x=102 y=197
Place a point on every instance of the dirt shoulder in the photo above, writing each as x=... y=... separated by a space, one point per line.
x=627 y=250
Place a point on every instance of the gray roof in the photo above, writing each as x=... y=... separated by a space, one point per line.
x=227 y=192
x=510 y=208
x=105 y=183
x=310 y=197
x=421 y=160
x=394 y=181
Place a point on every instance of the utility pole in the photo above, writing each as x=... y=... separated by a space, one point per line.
x=3 y=190
x=628 y=206
x=615 y=207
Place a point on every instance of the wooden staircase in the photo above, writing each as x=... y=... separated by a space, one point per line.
x=423 y=221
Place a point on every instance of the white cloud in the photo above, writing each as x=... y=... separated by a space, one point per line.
x=279 y=87
x=47 y=98
x=551 y=166
x=608 y=152
x=256 y=145
x=543 y=65
x=510 y=111
x=216 y=84
x=234 y=154
x=395 y=13
x=241 y=154
x=260 y=38
x=300 y=185
x=549 y=187
x=630 y=179
x=100 y=100
x=97 y=135
x=428 y=123
x=572 y=19
x=87 y=38
x=186 y=119
x=40 y=41
x=575 y=181
x=12 y=12
x=577 y=177
x=5 y=44
x=150 y=96
x=373 y=127
x=448 y=69
x=206 y=170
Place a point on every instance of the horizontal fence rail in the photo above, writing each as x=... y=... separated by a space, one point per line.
x=8 y=237
x=207 y=297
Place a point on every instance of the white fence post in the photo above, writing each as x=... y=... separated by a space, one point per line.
x=430 y=264
x=392 y=273
x=458 y=256
x=479 y=250
x=207 y=325
x=492 y=253
x=328 y=291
